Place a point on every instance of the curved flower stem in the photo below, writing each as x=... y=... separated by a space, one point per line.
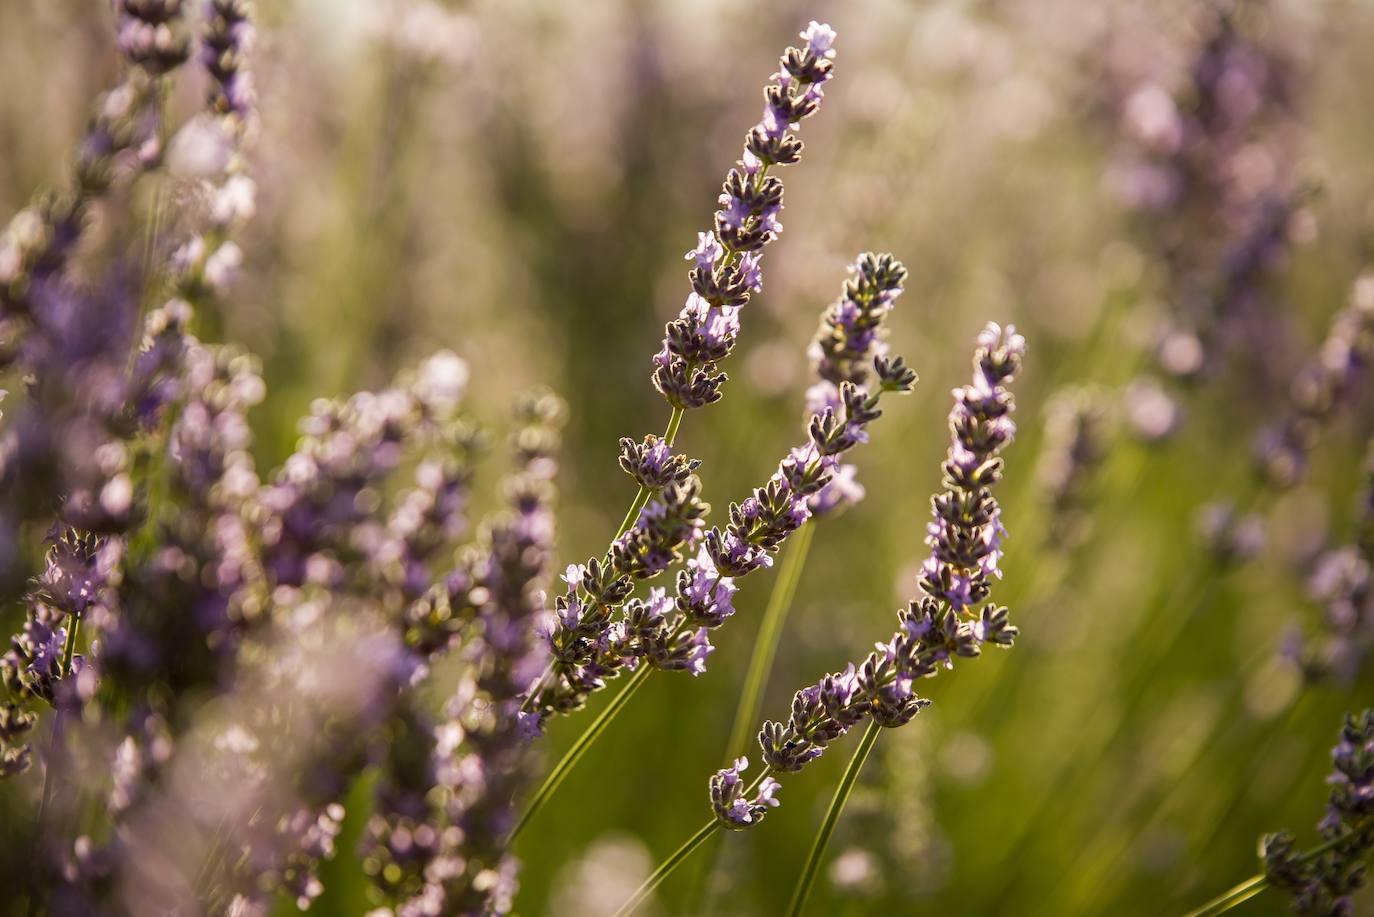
x=832 y=816
x=663 y=871
x=69 y=647
x=579 y=748
x=1256 y=884
x=766 y=644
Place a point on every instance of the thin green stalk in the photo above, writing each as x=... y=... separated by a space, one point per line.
x=1229 y=899
x=69 y=648
x=1256 y=884
x=579 y=748
x=766 y=644
x=663 y=871
x=832 y=817
x=68 y=651
x=1132 y=828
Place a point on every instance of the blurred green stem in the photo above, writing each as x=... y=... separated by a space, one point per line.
x=1256 y=884
x=832 y=817
x=663 y=871
x=1227 y=900
x=766 y=644
x=668 y=865
x=68 y=651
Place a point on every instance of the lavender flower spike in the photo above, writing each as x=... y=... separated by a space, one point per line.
x=726 y=260
x=941 y=623
x=849 y=338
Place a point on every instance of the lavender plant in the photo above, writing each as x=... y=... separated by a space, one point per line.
x=672 y=634
x=942 y=623
x=1321 y=880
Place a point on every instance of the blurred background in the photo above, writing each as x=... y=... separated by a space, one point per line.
x=518 y=180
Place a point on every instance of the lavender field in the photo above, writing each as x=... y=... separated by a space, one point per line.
x=433 y=482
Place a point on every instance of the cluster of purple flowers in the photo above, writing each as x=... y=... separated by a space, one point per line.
x=1213 y=168
x=121 y=140
x=1322 y=884
x=965 y=538
x=589 y=642
x=727 y=260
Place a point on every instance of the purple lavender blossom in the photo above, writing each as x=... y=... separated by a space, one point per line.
x=589 y=645
x=1190 y=163
x=225 y=44
x=1074 y=445
x=492 y=761
x=653 y=464
x=151 y=34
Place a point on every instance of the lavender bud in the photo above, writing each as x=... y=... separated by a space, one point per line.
x=152 y=35
x=669 y=523
x=1321 y=388
x=1230 y=536
x=652 y=463
x=1343 y=581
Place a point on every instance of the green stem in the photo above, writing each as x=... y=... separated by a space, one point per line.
x=49 y=784
x=663 y=871
x=69 y=648
x=832 y=817
x=1256 y=884
x=1227 y=900
x=766 y=644
x=579 y=748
